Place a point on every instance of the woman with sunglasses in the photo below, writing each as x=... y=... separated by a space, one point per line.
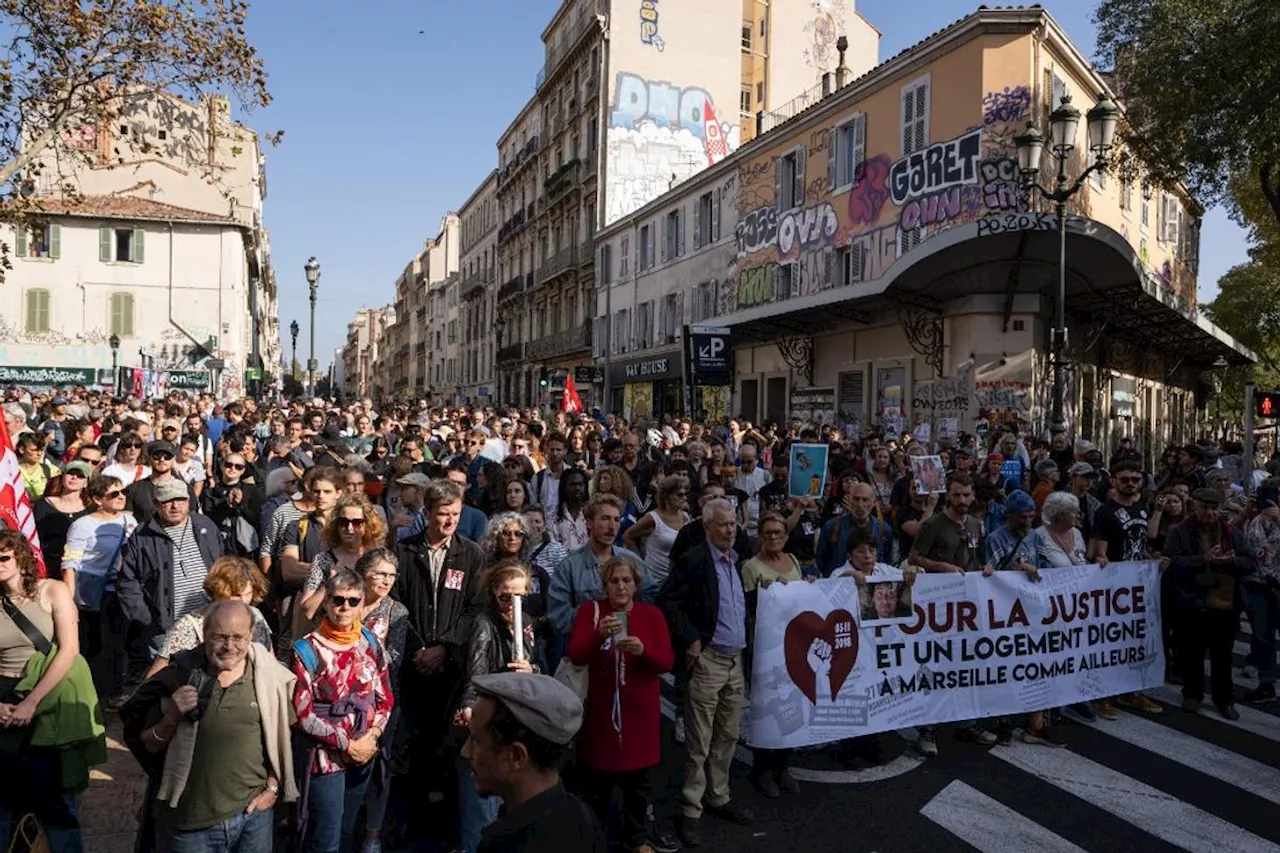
x=343 y=702
x=491 y=648
x=90 y=563
x=659 y=527
x=509 y=537
x=353 y=529
x=235 y=507
x=62 y=504
x=127 y=465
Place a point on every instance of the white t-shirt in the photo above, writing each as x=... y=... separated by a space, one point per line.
x=127 y=474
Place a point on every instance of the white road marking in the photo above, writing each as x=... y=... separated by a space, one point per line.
x=990 y=825
x=1149 y=809
x=1255 y=722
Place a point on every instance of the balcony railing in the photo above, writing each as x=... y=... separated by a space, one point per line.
x=562 y=179
x=523 y=157
x=560 y=343
x=513 y=224
x=513 y=287
x=511 y=352
x=559 y=262
x=474 y=285
x=564 y=45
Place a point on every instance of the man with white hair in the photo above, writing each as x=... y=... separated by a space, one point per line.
x=15 y=420
x=705 y=605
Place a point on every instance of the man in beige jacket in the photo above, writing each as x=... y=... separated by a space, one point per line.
x=213 y=731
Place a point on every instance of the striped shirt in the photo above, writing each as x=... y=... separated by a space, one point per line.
x=189 y=570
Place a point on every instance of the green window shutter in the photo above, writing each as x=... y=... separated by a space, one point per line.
x=42 y=300
x=29 y=297
x=55 y=241
x=20 y=241
x=126 y=300
x=104 y=245
x=138 y=235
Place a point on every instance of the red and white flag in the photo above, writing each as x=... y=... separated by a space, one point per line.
x=15 y=505
x=572 y=402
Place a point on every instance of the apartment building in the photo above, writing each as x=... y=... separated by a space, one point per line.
x=632 y=100
x=360 y=356
x=477 y=292
x=879 y=263
x=163 y=245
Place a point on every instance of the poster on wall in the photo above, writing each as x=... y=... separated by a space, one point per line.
x=943 y=398
x=890 y=412
x=1002 y=389
x=816 y=406
x=807 y=474
x=822 y=672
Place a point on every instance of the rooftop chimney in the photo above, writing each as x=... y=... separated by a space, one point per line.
x=842 y=70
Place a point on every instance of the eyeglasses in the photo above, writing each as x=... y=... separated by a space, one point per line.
x=519 y=534
x=229 y=639
x=508 y=597
x=774 y=534
x=389 y=577
x=348 y=600
x=356 y=523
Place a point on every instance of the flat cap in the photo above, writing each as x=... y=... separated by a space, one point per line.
x=1204 y=495
x=548 y=708
x=415 y=478
x=171 y=489
x=1082 y=469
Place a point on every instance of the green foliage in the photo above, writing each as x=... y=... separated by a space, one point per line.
x=1200 y=84
x=1248 y=308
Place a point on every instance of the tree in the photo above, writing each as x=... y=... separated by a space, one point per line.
x=1201 y=92
x=69 y=65
x=1247 y=307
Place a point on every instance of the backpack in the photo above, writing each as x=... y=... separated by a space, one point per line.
x=306 y=653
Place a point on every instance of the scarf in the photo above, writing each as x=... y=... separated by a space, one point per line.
x=341 y=636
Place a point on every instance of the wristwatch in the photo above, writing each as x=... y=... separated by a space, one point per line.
x=273 y=786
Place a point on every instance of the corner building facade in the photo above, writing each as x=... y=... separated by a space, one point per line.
x=880 y=265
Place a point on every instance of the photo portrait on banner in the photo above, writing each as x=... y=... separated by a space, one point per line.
x=972 y=647
x=930 y=475
x=807 y=476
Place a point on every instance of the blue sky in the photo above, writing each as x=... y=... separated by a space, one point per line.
x=391 y=120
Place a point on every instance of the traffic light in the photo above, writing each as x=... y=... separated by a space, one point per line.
x=1266 y=404
x=542 y=381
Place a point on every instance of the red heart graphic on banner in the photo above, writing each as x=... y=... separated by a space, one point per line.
x=802 y=654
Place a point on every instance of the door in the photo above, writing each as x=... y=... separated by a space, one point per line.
x=749 y=399
x=775 y=399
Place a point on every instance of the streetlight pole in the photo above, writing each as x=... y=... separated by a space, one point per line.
x=312 y=268
x=114 y=341
x=1063 y=123
x=293 y=362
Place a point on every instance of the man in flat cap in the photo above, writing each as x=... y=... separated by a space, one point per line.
x=521 y=728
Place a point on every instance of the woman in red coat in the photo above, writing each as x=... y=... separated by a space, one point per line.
x=626 y=645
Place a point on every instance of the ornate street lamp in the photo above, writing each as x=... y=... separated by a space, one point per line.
x=1064 y=123
x=312 y=268
x=114 y=341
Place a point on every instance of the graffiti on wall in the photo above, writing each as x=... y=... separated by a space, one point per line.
x=943 y=165
x=822 y=31
x=792 y=232
x=1004 y=114
x=1002 y=188
x=649 y=25
x=660 y=133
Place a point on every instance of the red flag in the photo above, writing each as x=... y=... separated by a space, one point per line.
x=571 y=402
x=15 y=505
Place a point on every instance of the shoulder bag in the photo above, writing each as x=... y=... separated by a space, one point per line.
x=569 y=673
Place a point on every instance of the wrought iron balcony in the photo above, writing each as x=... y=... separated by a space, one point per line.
x=561 y=343
x=562 y=260
x=511 y=352
x=521 y=159
x=512 y=225
x=563 y=46
x=474 y=285
x=513 y=287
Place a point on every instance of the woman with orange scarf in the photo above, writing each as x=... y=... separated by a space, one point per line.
x=342 y=699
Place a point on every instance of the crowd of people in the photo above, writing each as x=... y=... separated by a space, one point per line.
x=342 y=628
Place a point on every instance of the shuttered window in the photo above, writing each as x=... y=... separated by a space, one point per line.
x=121 y=317
x=849 y=395
x=36 y=310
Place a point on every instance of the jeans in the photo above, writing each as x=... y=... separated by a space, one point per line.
x=1264 y=615
x=335 y=800
x=598 y=788
x=62 y=839
x=33 y=785
x=474 y=811
x=239 y=834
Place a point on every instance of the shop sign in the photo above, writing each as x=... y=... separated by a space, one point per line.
x=189 y=380
x=47 y=377
x=647 y=370
x=711 y=359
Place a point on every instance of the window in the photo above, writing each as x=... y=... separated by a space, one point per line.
x=120 y=310
x=705 y=304
x=784 y=282
x=748 y=32
x=1126 y=187
x=915 y=116
x=760 y=92
x=36 y=304
x=622 y=330
x=1146 y=205
x=571 y=309
x=39 y=242
x=744 y=100
x=122 y=245
x=645 y=248
x=624 y=256
x=706 y=220
x=591 y=220
x=672 y=316
x=846 y=151
x=762 y=30
x=604 y=271
x=453 y=331
x=553 y=311
x=788 y=178
x=673 y=235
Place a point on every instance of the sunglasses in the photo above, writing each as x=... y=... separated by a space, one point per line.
x=474 y=443
x=79 y=474
x=113 y=494
x=356 y=523
x=349 y=600
x=519 y=534
x=173 y=501
x=233 y=466
x=162 y=456
x=4 y=558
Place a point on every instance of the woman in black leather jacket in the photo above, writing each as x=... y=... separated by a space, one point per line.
x=491 y=648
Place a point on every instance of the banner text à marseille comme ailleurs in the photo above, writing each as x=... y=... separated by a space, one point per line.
x=834 y=662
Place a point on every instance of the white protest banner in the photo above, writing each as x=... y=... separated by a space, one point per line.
x=948 y=647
